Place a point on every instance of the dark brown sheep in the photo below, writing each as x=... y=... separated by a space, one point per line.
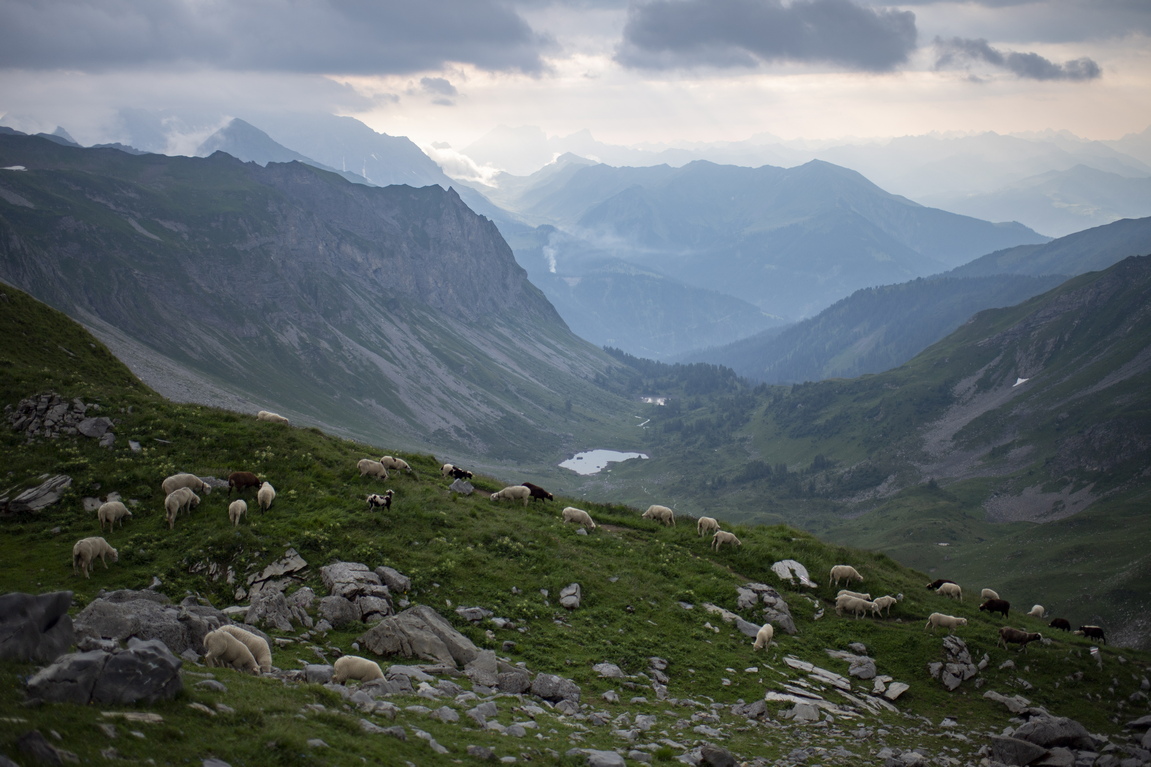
x=996 y=606
x=239 y=480
x=538 y=493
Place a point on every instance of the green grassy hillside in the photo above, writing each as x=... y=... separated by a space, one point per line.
x=636 y=579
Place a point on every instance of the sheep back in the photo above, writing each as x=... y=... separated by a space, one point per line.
x=190 y=481
x=226 y=650
x=763 y=636
x=354 y=667
x=265 y=495
x=237 y=509
x=111 y=512
x=261 y=652
x=371 y=468
x=706 y=524
x=660 y=514
x=579 y=516
x=721 y=537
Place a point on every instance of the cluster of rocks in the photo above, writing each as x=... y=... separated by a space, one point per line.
x=1044 y=740
x=50 y=490
x=49 y=415
x=957 y=666
x=775 y=610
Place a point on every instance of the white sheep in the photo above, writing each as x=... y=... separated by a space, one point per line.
x=579 y=516
x=265 y=415
x=372 y=468
x=856 y=594
x=844 y=573
x=855 y=605
x=180 y=499
x=85 y=551
x=951 y=590
x=266 y=495
x=763 y=637
x=190 y=481
x=1036 y=611
x=660 y=514
x=237 y=509
x=225 y=650
x=988 y=594
x=513 y=493
x=111 y=512
x=257 y=645
x=886 y=602
x=354 y=667
x=395 y=464
x=706 y=525
x=721 y=537
x=947 y=621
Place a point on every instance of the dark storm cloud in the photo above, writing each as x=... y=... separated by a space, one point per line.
x=300 y=36
x=668 y=34
x=957 y=53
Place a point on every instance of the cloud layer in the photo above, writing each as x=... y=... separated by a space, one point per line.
x=666 y=34
x=958 y=53
x=346 y=37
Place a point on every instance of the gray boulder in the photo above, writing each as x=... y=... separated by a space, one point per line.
x=338 y=611
x=351 y=580
x=714 y=756
x=1051 y=731
x=514 y=682
x=121 y=615
x=35 y=627
x=94 y=427
x=555 y=688
x=483 y=669
x=420 y=632
x=570 y=596
x=144 y=673
x=43 y=495
x=597 y=758
x=70 y=679
x=1014 y=751
x=270 y=608
x=397 y=582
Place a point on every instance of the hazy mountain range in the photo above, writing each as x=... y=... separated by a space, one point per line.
x=1026 y=178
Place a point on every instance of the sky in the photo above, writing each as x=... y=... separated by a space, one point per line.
x=652 y=72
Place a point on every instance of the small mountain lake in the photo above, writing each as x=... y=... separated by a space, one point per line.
x=593 y=461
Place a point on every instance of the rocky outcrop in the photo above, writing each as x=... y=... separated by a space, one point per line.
x=146 y=672
x=120 y=615
x=35 y=627
x=420 y=632
x=49 y=416
x=46 y=493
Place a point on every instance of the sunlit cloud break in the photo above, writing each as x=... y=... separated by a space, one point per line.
x=958 y=53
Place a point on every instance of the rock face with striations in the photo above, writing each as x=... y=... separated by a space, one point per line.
x=145 y=672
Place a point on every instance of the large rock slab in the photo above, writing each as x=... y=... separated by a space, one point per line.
x=1014 y=751
x=420 y=632
x=36 y=498
x=1051 y=731
x=35 y=627
x=117 y=617
x=146 y=672
x=555 y=688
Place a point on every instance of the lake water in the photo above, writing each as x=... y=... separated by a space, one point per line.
x=593 y=461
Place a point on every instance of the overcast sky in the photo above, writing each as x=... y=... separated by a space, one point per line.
x=630 y=71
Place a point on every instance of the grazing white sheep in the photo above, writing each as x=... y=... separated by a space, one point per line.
x=228 y=651
x=354 y=667
x=855 y=605
x=844 y=573
x=261 y=652
x=885 y=603
x=706 y=525
x=856 y=594
x=947 y=621
x=763 y=637
x=1036 y=611
x=180 y=499
x=951 y=590
x=85 y=551
x=513 y=493
x=371 y=468
x=111 y=512
x=988 y=594
x=660 y=514
x=266 y=495
x=721 y=537
x=190 y=481
x=579 y=516
x=237 y=509
x=392 y=463
x=265 y=415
